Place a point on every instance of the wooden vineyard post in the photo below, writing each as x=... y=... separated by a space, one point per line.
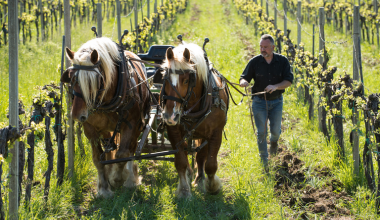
x=148 y=16
x=118 y=11
x=311 y=95
x=275 y=15
x=299 y=89
x=321 y=109
x=70 y=122
x=48 y=149
x=355 y=133
x=42 y=20
x=346 y=22
x=285 y=17
x=108 y=8
x=255 y=23
x=377 y=25
x=267 y=8
x=155 y=19
x=61 y=148
x=148 y=9
x=13 y=106
x=136 y=26
x=334 y=18
x=313 y=48
x=99 y=18
x=88 y=11
x=299 y=23
x=74 y=15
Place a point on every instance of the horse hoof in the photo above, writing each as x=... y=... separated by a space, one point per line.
x=183 y=194
x=213 y=187
x=105 y=193
x=129 y=184
x=200 y=185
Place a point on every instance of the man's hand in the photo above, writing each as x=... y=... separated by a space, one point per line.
x=243 y=83
x=270 y=88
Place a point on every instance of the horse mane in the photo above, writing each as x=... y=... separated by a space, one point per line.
x=88 y=80
x=197 y=59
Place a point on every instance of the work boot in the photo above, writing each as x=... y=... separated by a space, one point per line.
x=264 y=162
x=273 y=148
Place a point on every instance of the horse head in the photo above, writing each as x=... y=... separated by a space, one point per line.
x=91 y=75
x=186 y=72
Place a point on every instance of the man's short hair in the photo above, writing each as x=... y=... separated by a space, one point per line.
x=267 y=37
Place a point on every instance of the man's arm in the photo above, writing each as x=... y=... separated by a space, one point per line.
x=279 y=86
x=247 y=75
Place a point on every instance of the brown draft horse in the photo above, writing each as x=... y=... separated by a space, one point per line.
x=102 y=100
x=180 y=98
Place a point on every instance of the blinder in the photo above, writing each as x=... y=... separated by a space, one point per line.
x=65 y=78
x=192 y=83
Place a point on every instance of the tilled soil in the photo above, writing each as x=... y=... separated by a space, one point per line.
x=299 y=192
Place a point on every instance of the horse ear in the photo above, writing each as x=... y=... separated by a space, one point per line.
x=186 y=54
x=94 y=56
x=69 y=53
x=169 y=54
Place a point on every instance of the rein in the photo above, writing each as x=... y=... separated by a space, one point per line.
x=145 y=62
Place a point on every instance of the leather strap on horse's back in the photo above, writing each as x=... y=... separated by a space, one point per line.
x=145 y=111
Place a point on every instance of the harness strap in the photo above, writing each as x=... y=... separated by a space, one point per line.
x=192 y=107
x=172 y=98
x=80 y=67
x=145 y=62
x=77 y=94
x=109 y=143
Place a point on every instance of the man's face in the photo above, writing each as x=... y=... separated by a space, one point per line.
x=266 y=48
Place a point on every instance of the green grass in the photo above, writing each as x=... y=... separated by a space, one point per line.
x=247 y=193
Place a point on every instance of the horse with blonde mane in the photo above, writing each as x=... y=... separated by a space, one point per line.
x=110 y=106
x=195 y=102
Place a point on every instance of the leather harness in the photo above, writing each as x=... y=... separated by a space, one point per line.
x=124 y=99
x=210 y=99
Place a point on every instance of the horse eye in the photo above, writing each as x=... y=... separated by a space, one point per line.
x=186 y=81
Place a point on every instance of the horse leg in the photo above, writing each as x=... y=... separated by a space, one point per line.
x=181 y=163
x=184 y=173
x=201 y=158
x=131 y=169
x=126 y=174
x=104 y=189
x=213 y=183
x=132 y=178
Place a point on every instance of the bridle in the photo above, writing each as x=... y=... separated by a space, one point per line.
x=183 y=100
x=74 y=79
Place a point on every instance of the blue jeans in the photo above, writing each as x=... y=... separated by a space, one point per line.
x=263 y=110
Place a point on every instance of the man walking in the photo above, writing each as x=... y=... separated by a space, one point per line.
x=272 y=75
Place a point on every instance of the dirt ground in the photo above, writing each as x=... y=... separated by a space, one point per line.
x=300 y=192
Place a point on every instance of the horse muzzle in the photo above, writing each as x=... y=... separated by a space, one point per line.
x=82 y=117
x=171 y=119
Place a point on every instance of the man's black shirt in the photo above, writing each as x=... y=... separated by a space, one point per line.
x=265 y=74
